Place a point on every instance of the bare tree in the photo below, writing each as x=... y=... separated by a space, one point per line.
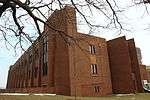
x=13 y=13
x=146 y=1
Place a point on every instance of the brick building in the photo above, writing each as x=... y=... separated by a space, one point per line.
x=124 y=66
x=63 y=61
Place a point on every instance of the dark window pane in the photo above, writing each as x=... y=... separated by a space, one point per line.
x=45 y=56
x=92 y=49
x=96 y=89
x=94 y=69
x=45 y=69
x=35 y=72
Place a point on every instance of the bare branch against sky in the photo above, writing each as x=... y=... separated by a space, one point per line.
x=17 y=16
x=16 y=13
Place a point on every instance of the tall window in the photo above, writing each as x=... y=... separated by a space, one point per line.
x=94 y=69
x=30 y=57
x=92 y=49
x=96 y=88
x=29 y=74
x=35 y=72
x=45 y=56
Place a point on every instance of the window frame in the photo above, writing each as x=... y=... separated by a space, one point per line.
x=92 y=49
x=45 y=56
x=94 y=69
x=35 y=72
x=96 y=88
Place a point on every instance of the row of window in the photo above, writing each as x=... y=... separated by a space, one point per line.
x=45 y=70
x=45 y=61
x=92 y=50
x=45 y=58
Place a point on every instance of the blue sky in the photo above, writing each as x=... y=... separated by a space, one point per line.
x=7 y=58
x=136 y=20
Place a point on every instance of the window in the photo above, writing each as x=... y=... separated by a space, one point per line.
x=96 y=88
x=35 y=72
x=45 y=56
x=94 y=69
x=29 y=74
x=92 y=49
x=30 y=58
x=45 y=68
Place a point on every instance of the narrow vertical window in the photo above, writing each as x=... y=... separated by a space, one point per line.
x=35 y=72
x=92 y=49
x=30 y=58
x=45 y=56
x=96 y=88
x=29 y=74
x=94 y=69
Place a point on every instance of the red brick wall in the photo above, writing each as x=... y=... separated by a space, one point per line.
x=61 y=74
x=82 y=80
x=62 y=21
x=35 y=90
x=135 y=65
x=144 y=72
x=64 y=24
x=120 y=65
x=148 y=75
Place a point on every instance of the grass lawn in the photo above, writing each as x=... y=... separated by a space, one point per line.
x=141 y=96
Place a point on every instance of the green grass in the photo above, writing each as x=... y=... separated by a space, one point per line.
x=142 y=96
